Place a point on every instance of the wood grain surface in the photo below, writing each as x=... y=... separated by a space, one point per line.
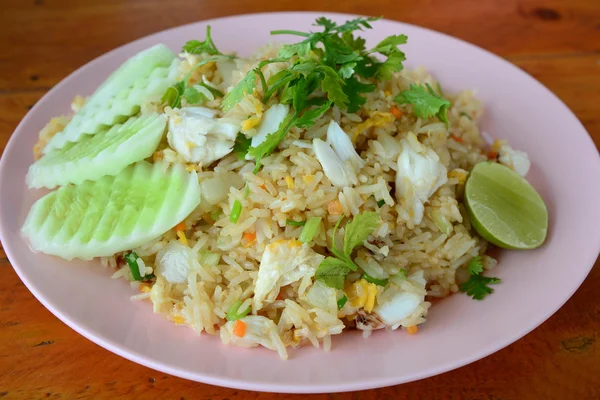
x=42 y=41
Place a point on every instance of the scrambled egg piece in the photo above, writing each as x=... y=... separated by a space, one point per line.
x=283 y=262
x=514 y=159
x=376 y=119
x=198 y=136
x=420 y=174
x=337 y=156
x=174 y=261
x=362 y=294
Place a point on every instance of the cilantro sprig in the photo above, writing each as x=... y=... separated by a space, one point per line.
x=333 y=270
x=198 y=47
x=478 y=285
x=182 y=90
x=329 y=67
x=425 y=101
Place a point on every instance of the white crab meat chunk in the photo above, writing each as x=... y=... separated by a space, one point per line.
x=174 y=262
x=420 y=174
x=515 y=159
x=259 y=331
x=270 y=122
x=399 y=302
x=337 y=156
x=198 y=136
x=283 y=262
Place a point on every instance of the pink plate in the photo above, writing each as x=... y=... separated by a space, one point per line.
x=535 y=284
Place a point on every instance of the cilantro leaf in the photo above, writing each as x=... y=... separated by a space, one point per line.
x=392 y=64
x=356 y=24
x=359 y=229
x=172 y=96
x=193 y=96
x=477 y=286
x=332 y=84
x=353 y=89
x=332 y=272
x=214 y=91
x=311 y=115
x=241 y=145
x=390 y=44
x=325 y=23
x=475 y=266
x=357 y=43
x=426 y=103
x=245 y=86
x=198 y=47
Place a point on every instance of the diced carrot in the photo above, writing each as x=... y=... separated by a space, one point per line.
x=492 y=155
x=263 y=186
x=334 y=207
x=239 y=329
x=411 y=330
x=396 y=112
x=180 y=226
x=249 y=236
x=456 y=138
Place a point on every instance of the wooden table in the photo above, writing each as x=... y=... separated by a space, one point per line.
x=42 y=41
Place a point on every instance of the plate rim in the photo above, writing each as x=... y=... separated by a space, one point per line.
x=239 y=383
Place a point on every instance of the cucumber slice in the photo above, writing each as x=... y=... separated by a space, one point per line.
x=142 y=78
x=113 y=214
x=95 y=156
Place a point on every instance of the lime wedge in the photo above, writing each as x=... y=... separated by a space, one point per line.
x=504 y=208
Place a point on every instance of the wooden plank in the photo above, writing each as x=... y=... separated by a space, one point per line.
x=43 y=41
x=40 y=357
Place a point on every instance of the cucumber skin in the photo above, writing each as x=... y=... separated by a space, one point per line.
x=81 y=161
x=144 y=77
x=59 y=234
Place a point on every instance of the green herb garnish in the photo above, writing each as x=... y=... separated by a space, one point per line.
x=426 y=103
x=328 y=68
x=477 y=285
x=241 y=145
x=198 y=47
x=131 y=259
x=333 y=270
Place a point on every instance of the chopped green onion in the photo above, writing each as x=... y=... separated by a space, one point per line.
x=370 y=279
x=131 y=259
x=380 y=203
x=236 y=211
x=341 y=302
x=233 y=314
x=295 y=223
x=310 y=229
x=441 y=222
